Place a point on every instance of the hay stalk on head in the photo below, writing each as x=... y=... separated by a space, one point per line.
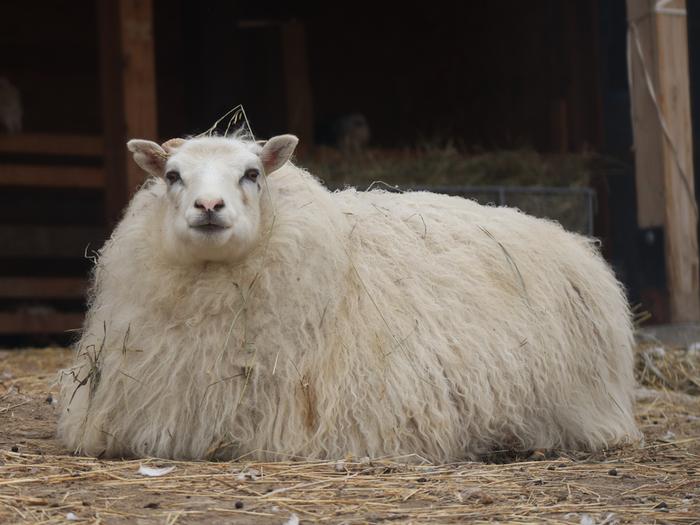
x=235 y=115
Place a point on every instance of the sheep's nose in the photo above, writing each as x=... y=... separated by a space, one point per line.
x=209 y=204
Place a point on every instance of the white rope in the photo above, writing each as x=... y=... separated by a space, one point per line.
x=661 y=8
x=633 y=32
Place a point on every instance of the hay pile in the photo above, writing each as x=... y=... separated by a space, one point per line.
x=40 y=483
x=446 y=169
x=668 y=367
x=445 y=165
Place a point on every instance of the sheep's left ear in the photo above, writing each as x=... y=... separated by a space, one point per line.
x=171 y=145
x=277 y=151
x=149 y=155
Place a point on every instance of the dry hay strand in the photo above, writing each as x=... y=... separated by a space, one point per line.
x=658 y=482
x=667 y=367
x=235 y=116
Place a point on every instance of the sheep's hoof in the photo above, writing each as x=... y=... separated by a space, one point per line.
x=539 y=454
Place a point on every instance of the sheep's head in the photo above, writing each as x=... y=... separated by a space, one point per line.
x=214 y=191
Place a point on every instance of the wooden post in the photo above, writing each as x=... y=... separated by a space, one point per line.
x=127 y=65
x=559 y=136
x=297 y=83
x=664 y=158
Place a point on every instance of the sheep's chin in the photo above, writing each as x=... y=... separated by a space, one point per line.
x=193 y=246
x=184 y=242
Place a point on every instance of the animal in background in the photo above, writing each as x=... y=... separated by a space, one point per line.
x=10 y=107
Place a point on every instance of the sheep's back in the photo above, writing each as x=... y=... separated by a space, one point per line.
x=490 y=317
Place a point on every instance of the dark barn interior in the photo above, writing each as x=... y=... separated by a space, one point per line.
x=550 y=76
x=448 y=70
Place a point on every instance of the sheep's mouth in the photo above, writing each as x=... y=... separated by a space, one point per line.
x=208 y=227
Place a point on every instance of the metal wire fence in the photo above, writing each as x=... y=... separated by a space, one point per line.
x=572 y=207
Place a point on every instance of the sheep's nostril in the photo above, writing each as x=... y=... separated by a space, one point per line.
x=209 y=204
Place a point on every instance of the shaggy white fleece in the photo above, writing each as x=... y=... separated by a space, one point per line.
x=363 y=323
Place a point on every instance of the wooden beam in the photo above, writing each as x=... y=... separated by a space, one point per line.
x=681 y=207
x=297 y=85
x=127 y=65
x=664 y=158
x=51 y=144
x=49 y=242
x=648 y=145
x=51 y=176
x=138 y=75
x=28 y=322
x=559 y=136
x=42 y=288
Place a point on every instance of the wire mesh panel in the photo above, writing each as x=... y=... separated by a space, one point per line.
x=572 y=207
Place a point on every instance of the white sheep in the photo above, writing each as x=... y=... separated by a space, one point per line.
x=240 y=308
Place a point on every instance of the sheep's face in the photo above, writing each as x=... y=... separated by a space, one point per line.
x=214 y=190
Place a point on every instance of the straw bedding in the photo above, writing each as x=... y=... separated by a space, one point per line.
x=40 y=483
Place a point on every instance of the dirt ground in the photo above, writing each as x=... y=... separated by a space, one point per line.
x=40 y=482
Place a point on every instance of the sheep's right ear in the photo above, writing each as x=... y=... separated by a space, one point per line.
x=149 y=155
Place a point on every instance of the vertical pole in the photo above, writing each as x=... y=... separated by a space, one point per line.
x=297 y=82
x=663 y=142
x=127 y=69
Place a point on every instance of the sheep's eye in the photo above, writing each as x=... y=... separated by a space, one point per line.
x=173 y=177
x=251 y=175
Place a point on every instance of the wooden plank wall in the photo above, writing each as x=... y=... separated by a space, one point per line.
x=67 y=176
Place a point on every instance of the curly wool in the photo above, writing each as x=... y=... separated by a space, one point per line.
x=364 y=323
